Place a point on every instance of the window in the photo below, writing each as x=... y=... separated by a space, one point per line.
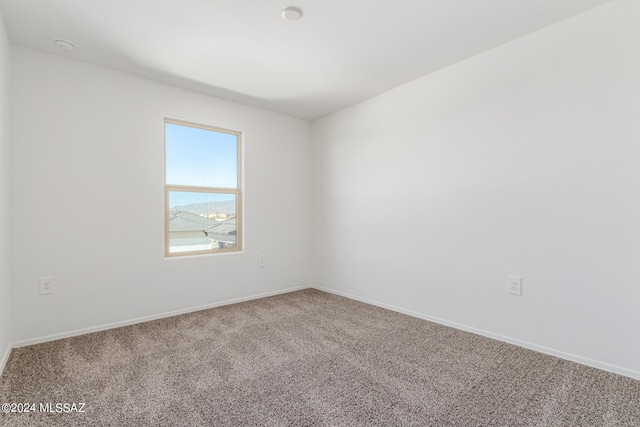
x=202 y=190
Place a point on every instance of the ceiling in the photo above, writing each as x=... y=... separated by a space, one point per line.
x=341 y=51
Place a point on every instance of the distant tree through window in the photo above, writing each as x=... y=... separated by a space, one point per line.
x=202 y=189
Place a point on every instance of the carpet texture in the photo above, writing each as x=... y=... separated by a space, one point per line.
x=307 y=358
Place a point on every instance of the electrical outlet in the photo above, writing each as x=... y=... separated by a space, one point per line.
x=514 y=285
x=262 y=261
x=46 y=285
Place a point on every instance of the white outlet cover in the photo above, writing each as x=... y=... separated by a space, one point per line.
x=514 y=285
x=46 y=285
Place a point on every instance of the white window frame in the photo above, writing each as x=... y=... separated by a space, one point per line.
x=170 y=187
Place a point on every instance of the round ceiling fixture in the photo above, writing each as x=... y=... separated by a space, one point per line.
x=63 y=44
x=292 y=14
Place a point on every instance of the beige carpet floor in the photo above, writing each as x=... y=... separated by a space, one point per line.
x=307 y=358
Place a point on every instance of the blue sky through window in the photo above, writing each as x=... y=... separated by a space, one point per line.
x=200 y=157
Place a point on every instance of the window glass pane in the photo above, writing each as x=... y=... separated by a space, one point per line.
x=201 y=221
x=200 y=157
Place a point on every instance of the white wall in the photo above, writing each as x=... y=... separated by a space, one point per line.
x=87 y=188
x=5 y=306
x=524 y=160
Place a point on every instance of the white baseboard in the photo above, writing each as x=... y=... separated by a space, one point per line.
x=114 y=325
x=541 y=349
x=5 y=358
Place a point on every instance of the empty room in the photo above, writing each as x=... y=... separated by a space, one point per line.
x=320 y=213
